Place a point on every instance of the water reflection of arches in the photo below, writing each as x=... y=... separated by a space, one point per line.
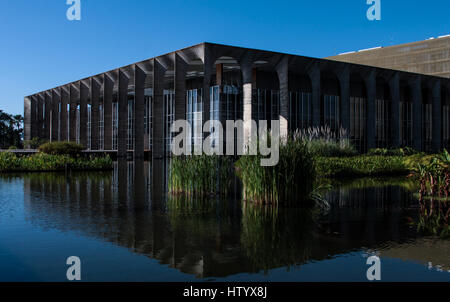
x=211 y=237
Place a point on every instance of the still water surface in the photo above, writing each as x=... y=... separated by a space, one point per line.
x=124 y=227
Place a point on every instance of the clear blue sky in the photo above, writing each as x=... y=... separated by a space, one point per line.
x=41 y=49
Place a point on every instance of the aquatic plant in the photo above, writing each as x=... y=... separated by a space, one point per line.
x=41 y=162
x=362 y=166
x=434 y=177
x=322 y=141
x=291 y=181
x=200 y=174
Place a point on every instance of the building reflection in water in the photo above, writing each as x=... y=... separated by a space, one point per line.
x=214 y=237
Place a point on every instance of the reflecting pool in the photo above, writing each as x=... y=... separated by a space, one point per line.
x=124 y=227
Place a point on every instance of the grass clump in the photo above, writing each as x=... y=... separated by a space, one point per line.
x=42 y=162
x=61 y=148
x=406 y=151
x=200 y=174
x=363 y=165
x=292 y=180
x=322 y=141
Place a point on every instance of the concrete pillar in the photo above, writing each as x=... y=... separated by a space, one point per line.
x=283 y=77
x=208 y=64
x=416 y=86
x=40 y=118
x=344 y=80
x=394 y=85
x=73 y=95
x=314 y=74
x=248 y=87
x=95 y=100
x=64 y=116
x=84 y=96
x=27 y=118
x=108 y=89
x=180 y=89
x=437 y=117
x=56 y=98
x=34 y=117
x=139 y=110
x=123 y=115
x=48 y=115
x=371 y=83
x=158 y=109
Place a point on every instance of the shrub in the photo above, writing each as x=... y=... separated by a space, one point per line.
x=41 y=162
x=12 y=148
x=34 y=143
x=61 y=148
x=406 y=151
x=362 y=166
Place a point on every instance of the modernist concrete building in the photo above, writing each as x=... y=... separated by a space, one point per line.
x=131 y=108
x=430 y=57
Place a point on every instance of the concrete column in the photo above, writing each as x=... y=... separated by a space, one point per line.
x=123 y=115
x=95 y=99
x=180 y=89
x=73 y=113
x=84 y=96
x=371 y=83
x=314 y=74
x=283 y=77
x=437 y=117
x=344 y=80
x=40 y=118
x=248 y=86
x=34 y=117
x=27 y=118
x=64 y=117
x=55 y=115
x=394 y=84
x=139 y=110
x=108 y=89
x=158 y=110
x=416 y=85
x=48 y=115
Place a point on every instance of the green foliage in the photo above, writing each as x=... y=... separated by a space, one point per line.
x=292 y=180
x=406 y=151
x=322 y=141
x=41 y=162
x=12 y=148
x=326 y=148
x=362 y=166
x=434 y=176
x=34 y=143
x=11 y=130
x=61 y=148
x=200 y=174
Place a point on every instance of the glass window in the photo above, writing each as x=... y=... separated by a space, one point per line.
x=382 y=123
x=300 y=110
x=406 y=123
x=427 y=127
x=358 y=123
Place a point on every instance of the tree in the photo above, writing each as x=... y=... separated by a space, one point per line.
x=11 y=130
